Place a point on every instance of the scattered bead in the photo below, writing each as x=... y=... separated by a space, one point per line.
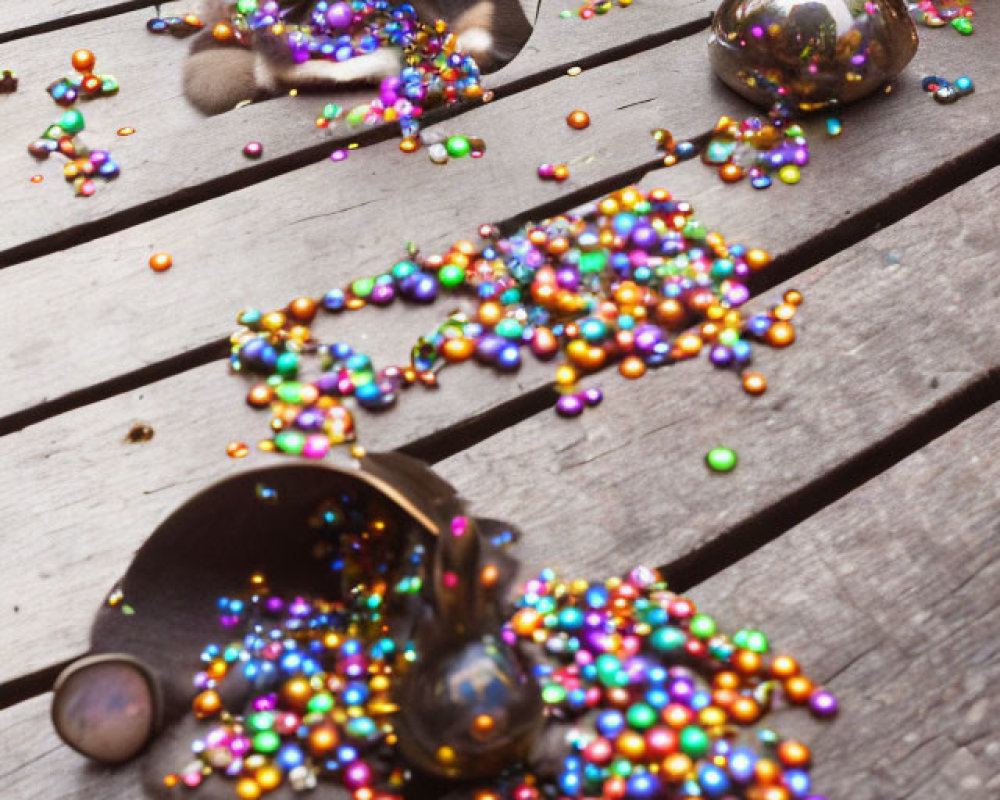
x=160 y=262
x=126 y=131
x=237 y=450
x=721 y=459
x=8 y=81
x=253 y=150
x=578 y=119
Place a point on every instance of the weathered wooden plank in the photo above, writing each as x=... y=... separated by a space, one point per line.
x=405 y=197
x=885 y=337
x=333 y=222
x=25 y=18
x=177 y=152
x=868 y=365
x=889 y=597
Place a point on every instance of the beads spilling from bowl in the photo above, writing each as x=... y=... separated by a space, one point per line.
x=632 y=279
x=938 y=13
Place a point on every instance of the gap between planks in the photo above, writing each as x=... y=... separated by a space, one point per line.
x=826 y=412
x=539 y=62
x=193 y=334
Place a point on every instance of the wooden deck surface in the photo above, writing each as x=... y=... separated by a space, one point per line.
x=862 y=527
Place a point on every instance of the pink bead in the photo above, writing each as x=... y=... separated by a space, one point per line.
x=316 y=446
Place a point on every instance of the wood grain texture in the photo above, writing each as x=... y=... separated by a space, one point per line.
x=326 y=224
x=300 y=233
x=24 y=18
x=889 y=597
x=884 y=338
x=867 y=364
x=175 y=150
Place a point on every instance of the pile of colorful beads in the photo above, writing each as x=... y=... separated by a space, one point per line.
x=670 y=693
x=754 y=147
x=434 y=72
x=654 y=702
x=946 y=92
x=938 y=13
x=62 y=137
x=594 y=8
x=8 y=81
x=632 y=279
x=85 y=84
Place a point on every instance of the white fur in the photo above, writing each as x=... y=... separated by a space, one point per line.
x=319 y=72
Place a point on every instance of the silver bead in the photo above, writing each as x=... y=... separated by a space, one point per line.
x=809 y=54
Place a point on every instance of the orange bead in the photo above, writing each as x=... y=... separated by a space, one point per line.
x=754 y=383
x=458 y=349
x=83 y=60
x=526 y=621
x=483 y=726
x=222 y=32
x=731 y=173
x=160 y=262
x=248 y=789
x=408 y=144
x=578 y=119
x=784 y=667
x=747 y=661
x=632 y=367
x=780 y=334
x=744 y=710
x=671 y=313
x=724 y=698
x=793 y=297
x=303 y=309
x=726 y=680
x=798 y=688
x=757 y=259
x=689 y=344
x=558 y=245
x=783 y=311
x=323 y=739
x=676 y=767
x=490 y=313
x=793 y=754
x=561 y=172
x=767 y=771
x=207 y=704
x=237 y=450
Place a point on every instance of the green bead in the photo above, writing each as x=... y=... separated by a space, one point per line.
x=331 y=111
x=109 y=85
x=756 y=641
x=72 y=121
x=361 y=728
x=621 y=767
x=723 y=268
x=357 y=115
x=667 y=639
x=404 y=269
x=291 y=442
x=457 y=146
x=261 y=721
x=287 y=365
x=693 y=741
x=963 y=25
x=320 y=703
x=721 y=459
x=703 y=626
x=289 y=392
x=362 y=287
x=695 y=230
x=266 y=742
x=509 y=329
x=591 y=263
x=607 y=666
x=512 y=295
x=729 y=337
x=246 y=6
x=641 y=716
x=451 y=276
x=553 y=694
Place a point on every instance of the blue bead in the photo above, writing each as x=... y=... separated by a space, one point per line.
x=714 y=782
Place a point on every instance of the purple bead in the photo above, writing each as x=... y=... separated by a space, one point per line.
x=569 y=405
x=644 y=236
x=823 y=704
x=309 y=420
x=339 y=15
x=382 y=294
x=647 y=337
x=425 y=289
x=488 y=347
x=568 y=278
x=738 y=294
x=720 y=355
x=592 y=397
